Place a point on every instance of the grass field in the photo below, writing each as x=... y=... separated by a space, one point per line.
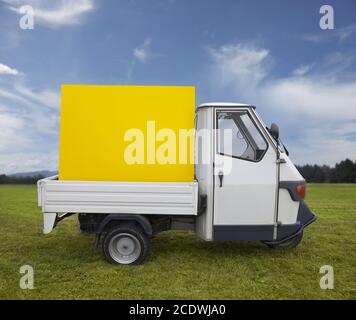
x=180 y=266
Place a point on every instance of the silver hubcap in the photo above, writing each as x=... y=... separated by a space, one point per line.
x=124 y=248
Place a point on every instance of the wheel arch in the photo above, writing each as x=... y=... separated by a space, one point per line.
x=142 y=221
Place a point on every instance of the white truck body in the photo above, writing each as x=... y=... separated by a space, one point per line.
x=159 y=198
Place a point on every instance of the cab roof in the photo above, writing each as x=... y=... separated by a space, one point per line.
x=226 y=105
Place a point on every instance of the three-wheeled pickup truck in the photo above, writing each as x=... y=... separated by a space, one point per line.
x=244 y=188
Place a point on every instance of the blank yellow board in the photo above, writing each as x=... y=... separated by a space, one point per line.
x=94 y=120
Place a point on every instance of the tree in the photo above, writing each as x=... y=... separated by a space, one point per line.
x=345 y=171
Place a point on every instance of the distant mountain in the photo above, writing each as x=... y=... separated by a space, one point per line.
x=45 y=173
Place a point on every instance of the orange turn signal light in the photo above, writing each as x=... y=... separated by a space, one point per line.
x=301 y=190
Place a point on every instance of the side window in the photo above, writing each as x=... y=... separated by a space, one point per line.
x=238 y=136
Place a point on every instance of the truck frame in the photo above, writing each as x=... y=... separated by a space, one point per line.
x=253 y=192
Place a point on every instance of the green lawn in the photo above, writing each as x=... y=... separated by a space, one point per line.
x=179 y=266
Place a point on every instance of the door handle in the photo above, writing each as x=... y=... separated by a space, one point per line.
x=221 y=177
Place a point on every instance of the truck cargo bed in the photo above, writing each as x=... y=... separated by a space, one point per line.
x=168 y=198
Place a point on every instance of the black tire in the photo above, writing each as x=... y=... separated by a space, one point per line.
x=289 y=244
x=129 y=239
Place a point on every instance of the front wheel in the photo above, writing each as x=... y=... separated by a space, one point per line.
x=289 y=244
x=126 y=244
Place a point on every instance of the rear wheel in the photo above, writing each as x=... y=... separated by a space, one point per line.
x=126 y=244
x=289 y=244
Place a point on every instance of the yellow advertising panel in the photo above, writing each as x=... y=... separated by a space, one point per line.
x=127 y=133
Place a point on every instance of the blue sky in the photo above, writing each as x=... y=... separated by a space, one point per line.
x=269 y=53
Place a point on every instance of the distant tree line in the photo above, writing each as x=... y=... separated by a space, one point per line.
x=345 y=171
x=4 y=179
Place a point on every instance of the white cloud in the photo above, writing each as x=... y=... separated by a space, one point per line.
x=242 y=64
x=10 y=126
x=344 y=33
x=321 y=150
x=29 y=122
x=313 y=96
x=340 y=34
x=28 y=161
x=143 y=52
x=10 y=95
x=315 y=111
x=336 y=64
x=301 y=70
x=55 y=13
x=47 y=97
x=4 y=69
x=317 y=38
x=27 y=96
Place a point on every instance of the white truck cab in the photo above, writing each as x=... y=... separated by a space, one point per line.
x=254 y=192
x=245 y=188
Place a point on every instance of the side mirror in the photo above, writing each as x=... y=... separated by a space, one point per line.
x=274 y=131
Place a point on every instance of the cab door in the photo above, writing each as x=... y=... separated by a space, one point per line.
x=245 y=180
